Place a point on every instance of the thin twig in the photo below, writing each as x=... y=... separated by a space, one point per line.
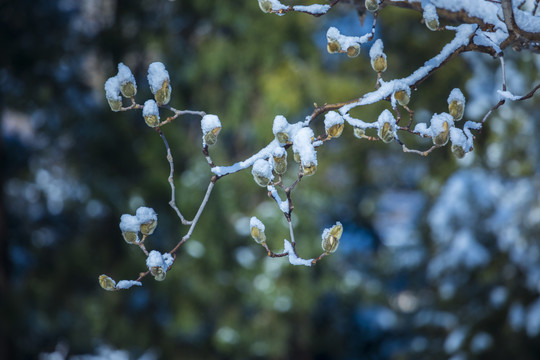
x=292 y=8
x=172 y=203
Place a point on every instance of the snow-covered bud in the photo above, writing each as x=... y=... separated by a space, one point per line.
x=280 y=129
x=265 y=5
x=158 y=264
x=459 y=143
x=387 y=126
x=403 y=96
x=372 y=5
x=279 y=159
x=359 y=132
x=378 y=57
x=262 y=172
x=130 y=226
x=211 y=126
x=128 y=86
x=353 y=50
x=160 y=83
x=333 y=124
x=147 y=217
x=257 y=230
x=332 y=39
x=330 y=238
x=440 y=128
x=309 y=168
x=303 y=146
x=151 y=113
x=456 y=104
x=107 y=283
x=430 y=17
x=112 y=93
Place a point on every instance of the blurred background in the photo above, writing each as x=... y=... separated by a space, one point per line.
x=439 y=258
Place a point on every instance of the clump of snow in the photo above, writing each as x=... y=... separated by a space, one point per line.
x=129 y=223
x=126 y=284
x=157 y=75
x=333 y=34
x=312 y=9
x=293 y=258
x=124 y=75
x=112 y=89
x=145 y=215
x=430 y=12
x=262 y=168
x=256 y=223
x=209 y=123
x=437 y=123
x=150 y=108
x=377 y=50
x=332 y=118
x=302 y=144
x=280 y=125
x=156 y=259
x=456 y=95
x=386 y=117
x=279 y=152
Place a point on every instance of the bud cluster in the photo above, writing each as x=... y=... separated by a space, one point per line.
x=159 y=264
x=337 y=43
x=122 y=83
x=144 y=221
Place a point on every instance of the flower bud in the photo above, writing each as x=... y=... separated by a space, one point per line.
x=151 y=113
x=372 y=5
x=379 y=64
x=158 y=264
x=430 y=17
x=158 y=273
x=402 y=97
x=441 y=138
x=112 y=93
x=147 y=217
x=330 y=238
x=262 y=172
x=158 y=78
x=128 y=87
x=296 y=157
x=130 y=226
x=377 y=56
x=107 y=283
x=440 y=128
x=333 y=124
x=460 y=142
x=211 y=126
x=387 y=126
x=359 y=132
x=353 y=51
x=458 y=151
x=265 y=5
x=309 y=168
x=456 y=104
x=280 y=129
x=257 y=230
x=332 y=40
x=279 y=158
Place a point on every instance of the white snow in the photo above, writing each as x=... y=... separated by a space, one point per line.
x=112 y=89
x=313 y=9
x=280 y=124
x=150 y=108
x=332 y=118
x=437 y=121
x=254 y=222
x=346 y=41
x=157 y=75
x=262 y=168
x=377 y=50
x=508 y=95
x=387 y=117
x=209 y=123
x=145 y=215
x=156 y=259
x=430 y=12
x=129 y=223
x=124 y=75
x=457 y=95
x=279 y=152
x=293 y=258
x=126 y=284
x=302 y=144
x=283 y=205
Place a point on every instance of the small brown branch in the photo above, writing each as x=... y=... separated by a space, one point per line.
x=207 y=156
x=133 y=105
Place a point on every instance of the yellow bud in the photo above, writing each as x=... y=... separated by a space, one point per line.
x=309 y=169
x=456 y=108
x=458 y=151
x=158 y=273
x=386 y=133
x=442 y=137
x=330 y=238
x=107 y=283
x=432 y=24
x=333 y=46
x=151 y=120
x=211 y=137
x=149 y=227
x=296 y=157
x=372 y=5
x=359 y=133
x=402 y=97
x=280 y=164
x=258 y=235
x=128 y=89
x=282 y=137
x=163 y=95
x=335 y=130
x=130 y=237
x=265 y=5
x=261 y=180
x=379 y=64
x=353 y=50
x=115 y=104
